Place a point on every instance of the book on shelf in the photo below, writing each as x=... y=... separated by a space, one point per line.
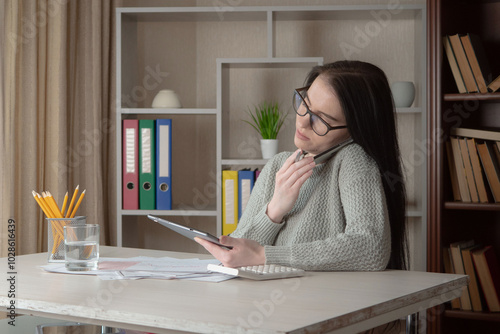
x=488 y=274
x=474 y=289
x=471 y=182
x=458 y=268
x=453 y=172
x=448 y=268
x=485 y=134
x=460 y=170
x=463 y=64
x=494 y=85
x=477 y=60
x=474 y=164
x=477 y=170
x=491 y=167
x=452 y=60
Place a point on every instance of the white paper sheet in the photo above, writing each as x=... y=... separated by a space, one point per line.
x=147 y=267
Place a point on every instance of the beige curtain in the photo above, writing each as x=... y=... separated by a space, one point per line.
x=57 y=123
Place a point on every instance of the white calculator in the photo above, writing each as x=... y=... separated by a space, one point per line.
x=262 y=272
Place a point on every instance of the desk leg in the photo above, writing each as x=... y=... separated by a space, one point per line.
x=412 y=323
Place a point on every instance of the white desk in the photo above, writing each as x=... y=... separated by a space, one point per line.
x=341 y=302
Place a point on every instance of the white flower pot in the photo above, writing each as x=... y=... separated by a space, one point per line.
x=403 y=93
x=269 y=148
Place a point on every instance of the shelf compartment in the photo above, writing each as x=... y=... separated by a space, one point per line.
x=141 y=72
x=264 y=78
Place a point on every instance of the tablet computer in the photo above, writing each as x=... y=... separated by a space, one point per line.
x=188 y=231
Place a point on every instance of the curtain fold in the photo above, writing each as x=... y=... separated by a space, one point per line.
x=57 y=120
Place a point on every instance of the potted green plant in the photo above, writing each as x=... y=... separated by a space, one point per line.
x=267 y=120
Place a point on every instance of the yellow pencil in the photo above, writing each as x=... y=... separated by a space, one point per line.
x=53 y=205
x=45 y=205
x=56 y=242
x=57 y=233
x=49 y=200
x=77 y=204
x=64 y=203
x=70 y=207
x=40 y=204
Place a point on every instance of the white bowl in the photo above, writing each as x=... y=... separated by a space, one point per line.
x=166 y=98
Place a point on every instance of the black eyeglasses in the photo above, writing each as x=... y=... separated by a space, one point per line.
x=319 y=125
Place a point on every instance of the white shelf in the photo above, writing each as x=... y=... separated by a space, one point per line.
x=200 y=213
x=168 y=111
x=243 y=162
x=259 y=13
x=414 y=213
x=270 y=61
x=209 y=111
x=414 y=110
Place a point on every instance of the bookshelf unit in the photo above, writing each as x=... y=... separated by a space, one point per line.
x=230 y=61
x=451 y=221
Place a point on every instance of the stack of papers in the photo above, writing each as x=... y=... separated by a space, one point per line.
x=141 y=267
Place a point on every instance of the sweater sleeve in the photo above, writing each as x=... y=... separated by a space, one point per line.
x=364 y=243
x=254 y=223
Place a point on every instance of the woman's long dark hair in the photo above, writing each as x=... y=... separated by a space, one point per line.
x=366 y=99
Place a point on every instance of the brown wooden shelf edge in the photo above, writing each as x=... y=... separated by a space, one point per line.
x=472 y=97
x=472 y=206
x=480 y=316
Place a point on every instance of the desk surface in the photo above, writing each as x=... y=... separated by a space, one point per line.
x=343 y=302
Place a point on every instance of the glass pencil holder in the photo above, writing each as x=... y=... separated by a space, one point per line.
x=55 y=237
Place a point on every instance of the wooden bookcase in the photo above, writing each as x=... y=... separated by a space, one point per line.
x=223 y=62
x=450 y=221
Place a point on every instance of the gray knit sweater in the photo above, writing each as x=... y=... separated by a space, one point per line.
x=339 y=222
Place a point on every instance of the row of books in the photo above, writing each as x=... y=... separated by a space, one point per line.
x=147 y=164
x=481 y=265
x=469 y=64
x=236 y=188
x=474 y=164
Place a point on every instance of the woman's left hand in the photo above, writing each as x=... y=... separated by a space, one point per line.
x=245 y=252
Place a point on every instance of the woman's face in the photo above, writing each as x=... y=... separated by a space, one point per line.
x=323 y=102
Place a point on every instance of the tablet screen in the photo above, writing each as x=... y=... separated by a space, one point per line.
x=188 y=232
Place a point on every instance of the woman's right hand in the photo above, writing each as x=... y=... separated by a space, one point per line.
x=289 y=180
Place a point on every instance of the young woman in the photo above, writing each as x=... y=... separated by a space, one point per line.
x=347 y=213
